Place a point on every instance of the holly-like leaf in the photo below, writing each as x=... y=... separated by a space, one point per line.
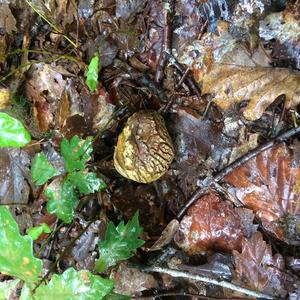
x=16 y=255
x=12 y=132
x=72 y=284
x=7 y=287
x=120 y=242
x=87 y=183
x=92 y=74
x=76 y=153
x=41 y=169
x=35 y=232
x=62 y=199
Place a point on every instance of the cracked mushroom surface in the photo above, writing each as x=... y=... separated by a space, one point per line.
x=144 y=149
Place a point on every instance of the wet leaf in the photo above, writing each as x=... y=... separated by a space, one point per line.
x=119 y=244
x=21 y=263
x=258 y=269
x=269 y=185
x=7 y=19
x=62 y=199
x=92 y=73
x=87 y=183
x=130 y=281
x=231 y=74
x=76 y=153
x=72 y=284
x=14 y=173
x=37 y=231
x=41 y=169
x=7 y=287
x=210 y=224
x=12 y=132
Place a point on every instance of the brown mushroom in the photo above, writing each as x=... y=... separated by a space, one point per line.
x=144 y=150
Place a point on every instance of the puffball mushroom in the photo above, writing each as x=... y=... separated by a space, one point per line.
x=144 y=149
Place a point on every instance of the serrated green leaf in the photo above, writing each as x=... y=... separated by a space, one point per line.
x=119 y=244
x=6 y=288
x=76 y=153
x=16 y=255
x=35 y=232
x=72 y=285
x=12 y=132
x=62 y=199
x=41 y=169
x=87 y=183
x=92 y=73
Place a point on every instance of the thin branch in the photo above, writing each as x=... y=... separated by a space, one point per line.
x=190 y=82
x=237 y=163
x=222 y=283
x=167 y=40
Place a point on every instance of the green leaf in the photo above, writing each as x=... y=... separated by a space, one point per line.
x=72 y=285
x=76 y=153
x=12 y=132
x=87 y=183
x=6 y=288
x=120 y=243
x=41 y=169
x=35 y=232
x=16 y=255
x=92 y=73
x=62 y=199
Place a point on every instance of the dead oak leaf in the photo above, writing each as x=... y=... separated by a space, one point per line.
x=258 y=269
x=231 y=74
x=269 y=184
x=231 y=84
x=210 y=224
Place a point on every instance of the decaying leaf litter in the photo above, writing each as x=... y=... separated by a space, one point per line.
x=223 y=221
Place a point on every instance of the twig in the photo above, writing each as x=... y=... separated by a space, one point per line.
x=190 y=82
x=222 y=283
x=54 y=27
x=63 y=253
x=183 y=77
x=167 y=40
x=237 y=163
x=184 y=295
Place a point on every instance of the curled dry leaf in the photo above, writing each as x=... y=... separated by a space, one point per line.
x=258 y=269
x=210 y=224
x=231 y=74
x=166 y=236
x=269 y=185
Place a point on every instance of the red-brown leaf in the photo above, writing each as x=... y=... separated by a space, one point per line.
x=269 y=184
x=257 y=269
x=210 y=224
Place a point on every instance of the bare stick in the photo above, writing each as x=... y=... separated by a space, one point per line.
x=222 y=283
x=167 y=40
x=237 y=163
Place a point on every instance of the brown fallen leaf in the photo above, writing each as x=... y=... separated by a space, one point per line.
x=130 y=281
x=210 y=224
x=166 y=236
x=269 y=184
x=232 y=74
x=258 y=269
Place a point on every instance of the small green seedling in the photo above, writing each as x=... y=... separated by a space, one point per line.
x=92 y=73
x=37 y=231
